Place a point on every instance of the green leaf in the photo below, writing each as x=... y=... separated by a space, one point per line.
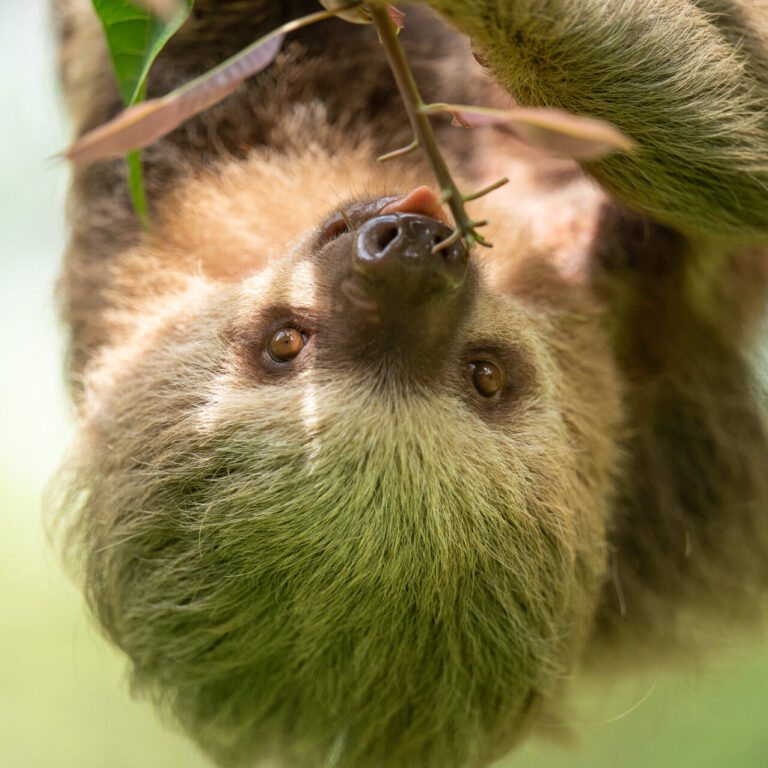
x=135 y=37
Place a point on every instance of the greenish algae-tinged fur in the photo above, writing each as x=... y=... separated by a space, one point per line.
x=355 y=562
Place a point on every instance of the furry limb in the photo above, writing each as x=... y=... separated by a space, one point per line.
x=669 y=73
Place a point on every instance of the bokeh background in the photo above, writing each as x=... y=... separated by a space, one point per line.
x=64 y=699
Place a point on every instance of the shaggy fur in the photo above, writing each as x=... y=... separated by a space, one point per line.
x=356 y=561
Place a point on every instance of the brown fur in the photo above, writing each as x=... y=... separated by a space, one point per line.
x=350 y=562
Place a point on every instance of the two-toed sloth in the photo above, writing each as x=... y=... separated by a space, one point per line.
x=345 y=502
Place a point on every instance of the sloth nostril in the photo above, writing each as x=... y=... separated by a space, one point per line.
x=397 y=252
x=383 y=237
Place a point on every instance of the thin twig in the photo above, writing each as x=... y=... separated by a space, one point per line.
x=485 y=190
x=422 y=126
x=402 y=152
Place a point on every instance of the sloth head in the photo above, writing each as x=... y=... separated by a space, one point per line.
x=347 y=508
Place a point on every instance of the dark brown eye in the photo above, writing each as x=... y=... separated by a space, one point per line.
x=487 y=378
x=285 y=344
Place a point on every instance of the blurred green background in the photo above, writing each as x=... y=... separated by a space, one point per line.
x=63 y=695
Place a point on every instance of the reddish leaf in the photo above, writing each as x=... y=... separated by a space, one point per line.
x=551 y=130
x=151 y=120
x=397 y=16
x=559 y=133
x=147 y=122
x=459 y=120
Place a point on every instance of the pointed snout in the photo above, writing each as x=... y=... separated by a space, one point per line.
x=395 y=253
x=400 y=300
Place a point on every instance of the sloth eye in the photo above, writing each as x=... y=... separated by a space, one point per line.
x=334 y=227
x=487 y=378
x=285 y=344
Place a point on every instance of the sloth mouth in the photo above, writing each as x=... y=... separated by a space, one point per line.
x=350 y=217
x=421 y=201
x=397 y=298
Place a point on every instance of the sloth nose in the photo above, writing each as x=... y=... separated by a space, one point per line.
x=394 y=252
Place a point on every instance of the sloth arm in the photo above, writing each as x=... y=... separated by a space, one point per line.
x=688 y=91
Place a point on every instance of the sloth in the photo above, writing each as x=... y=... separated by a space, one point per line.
x=343 y=501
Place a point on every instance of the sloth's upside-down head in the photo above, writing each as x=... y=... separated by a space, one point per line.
x=348 y=506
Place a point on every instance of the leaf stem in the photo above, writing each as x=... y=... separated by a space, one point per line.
x=136 y=169
x=136 y=187
x=485 y=190
x=402 y=152
x=422 y=127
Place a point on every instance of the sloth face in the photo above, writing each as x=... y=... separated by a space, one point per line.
x=351 y=507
